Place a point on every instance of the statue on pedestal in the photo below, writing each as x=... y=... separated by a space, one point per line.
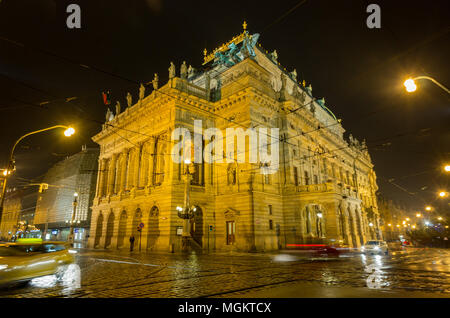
x=141 y=91
x=274 y=56
x=155 y=81
x=171 y=70
x=109 y=115
x=117 y=108
x=183 y=70
x=129 y=99
x=293 y=75
x=190 y=71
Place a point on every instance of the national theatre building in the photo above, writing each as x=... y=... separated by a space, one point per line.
x=320 y=188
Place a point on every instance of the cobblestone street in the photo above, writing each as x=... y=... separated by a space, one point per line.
x=409 y=273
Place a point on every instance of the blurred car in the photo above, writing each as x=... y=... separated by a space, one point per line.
x=315 y=249
x=31 y=258
x=375 y=247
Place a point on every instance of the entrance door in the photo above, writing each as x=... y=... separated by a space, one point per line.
x=231 y=230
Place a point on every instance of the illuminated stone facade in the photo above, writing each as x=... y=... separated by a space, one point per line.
x=324 y=188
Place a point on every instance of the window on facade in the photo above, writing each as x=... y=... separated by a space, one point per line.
x=316 y=179
x=270 y=209
x=270 y=224
x=306 y=178
x=267 y=179
x=296 y=176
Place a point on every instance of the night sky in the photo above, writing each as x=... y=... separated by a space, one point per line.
x=359 y=71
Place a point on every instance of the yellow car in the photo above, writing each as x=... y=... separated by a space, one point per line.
x=30 y=258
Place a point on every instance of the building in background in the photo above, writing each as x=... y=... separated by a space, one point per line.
x=395 y=219
x=11 y=213
x=324 y=188
x=54 y=207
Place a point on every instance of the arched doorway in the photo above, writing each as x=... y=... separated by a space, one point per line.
x=109 y=230
x=197 y=225
x=153 y=227
x=98 y=230
x=122 y=229
x=137 y=219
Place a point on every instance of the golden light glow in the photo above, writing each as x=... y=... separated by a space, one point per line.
x=440 y=218
x=410 y=85
x=398 y=225
x=389 y=224
x=447 y=168
x=404 y=222
x=418 y=215
x=69 y=132
x=407 y=219
x=428 y=208
x=413 y=226
x=442 y=194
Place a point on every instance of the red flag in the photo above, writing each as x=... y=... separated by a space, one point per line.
x=106 y=98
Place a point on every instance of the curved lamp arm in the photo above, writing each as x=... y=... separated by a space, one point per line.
x=32 y=133
x=434 y=81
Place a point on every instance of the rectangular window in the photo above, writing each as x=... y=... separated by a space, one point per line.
x=270 y=224
x=270 y=209
x=231 y=230
x=296 y=176
x=306 y=178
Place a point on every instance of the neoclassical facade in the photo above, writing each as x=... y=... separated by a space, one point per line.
x=323 y=189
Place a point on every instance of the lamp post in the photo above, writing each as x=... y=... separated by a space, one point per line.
x=187 y=212
x=411 y=86
x=69 y=131
x=72 y=221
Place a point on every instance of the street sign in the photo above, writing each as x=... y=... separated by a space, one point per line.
x=141 y=225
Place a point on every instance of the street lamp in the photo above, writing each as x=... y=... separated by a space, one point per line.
x=69 y=131
x=187 y=212
x=418 y=215
x=428 y=208
x=72 y=221
x=442 y=194
x=411 y=86
x=447 y=168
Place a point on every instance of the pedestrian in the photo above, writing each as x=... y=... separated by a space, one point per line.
x=131 y=243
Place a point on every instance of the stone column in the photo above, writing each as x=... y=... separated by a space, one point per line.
x=115 y=230
x=101 y=177
x=151 y=157
x=123 y=177
x=111 y=176
x=101 y=243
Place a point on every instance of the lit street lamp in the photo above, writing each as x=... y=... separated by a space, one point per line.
x=428 y=208
x=442 y=194
x=72 y=221
x=69 y=131
x=187 y=212
x=447 y=168
x=411 y=85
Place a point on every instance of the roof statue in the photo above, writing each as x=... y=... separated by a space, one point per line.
x=237 y=53
x=183 y=70
x=117 y=108
x=293 y=75
x=155 y=81
x=109 y=115
x=129 y=99
x=172 y=70
x=274 y=56
x=141 y=91
x=190 y=71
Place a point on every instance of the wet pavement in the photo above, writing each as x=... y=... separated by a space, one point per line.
x=411 y=272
